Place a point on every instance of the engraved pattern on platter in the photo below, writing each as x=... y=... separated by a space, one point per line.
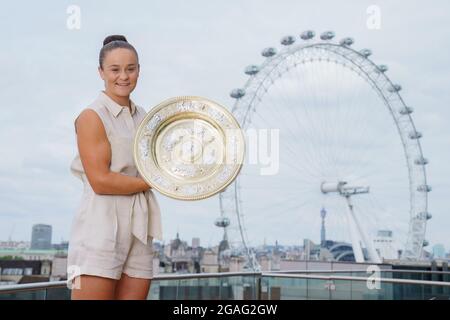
x=184 y=149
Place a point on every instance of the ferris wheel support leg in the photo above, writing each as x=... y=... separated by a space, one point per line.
x=373 y=255
x=356 y=245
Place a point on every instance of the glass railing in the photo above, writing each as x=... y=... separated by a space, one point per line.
x=218 y=286
x=340 y=287
x=57 y=290
x=292 y=285
x=423 y=275
x=206 y=286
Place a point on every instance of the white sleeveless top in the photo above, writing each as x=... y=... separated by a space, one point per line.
x=99 y=210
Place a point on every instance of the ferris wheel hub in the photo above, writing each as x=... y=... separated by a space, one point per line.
x=343 y=188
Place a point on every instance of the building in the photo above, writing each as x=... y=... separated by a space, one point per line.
x=63 y=246
x=237 y=264
x=14 y=244
x=34 y=255
x=178 y=256
x=328 y=250
x=384 y=245
x=195 y=243
x=323 y=236
x=41 y=237
x=210 y=261
x=59 y=268
x=438 y=251
x=24 y=271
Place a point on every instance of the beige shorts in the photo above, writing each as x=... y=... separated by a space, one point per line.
x=137 y=264
x=107 y=250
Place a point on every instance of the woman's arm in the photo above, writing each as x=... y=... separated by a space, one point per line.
x=95 y=154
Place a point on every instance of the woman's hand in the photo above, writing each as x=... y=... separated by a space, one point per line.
x=146 y=185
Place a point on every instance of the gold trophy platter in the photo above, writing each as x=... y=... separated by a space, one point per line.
x=189 y=148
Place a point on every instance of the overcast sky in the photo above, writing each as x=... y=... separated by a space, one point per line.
x=189 y=48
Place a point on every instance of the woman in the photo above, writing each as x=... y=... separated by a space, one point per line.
x=110 y=249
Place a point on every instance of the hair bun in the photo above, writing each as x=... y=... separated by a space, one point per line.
x=115 y=37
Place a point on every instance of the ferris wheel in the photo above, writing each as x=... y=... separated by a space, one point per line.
x=346 y=144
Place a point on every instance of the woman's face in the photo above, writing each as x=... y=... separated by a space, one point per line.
x=120 y=72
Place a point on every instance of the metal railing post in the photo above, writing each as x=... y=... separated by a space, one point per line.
x=258 y=286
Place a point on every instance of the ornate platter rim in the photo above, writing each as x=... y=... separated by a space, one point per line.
x=236 y=167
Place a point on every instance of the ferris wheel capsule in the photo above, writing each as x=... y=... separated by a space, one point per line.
x=425 y=243
x=415 y=135
x=424 y=215
x=428 y=215
x=307 y=35
x=346 y=42
x=237 y=93
x=382 y=68
x=366 y=52
x=252 y=70
x=395 y=88
x=222 y=222
x=327 y=35
x=406 y=110
x=287 y=41
x=424 y=188
x=421 y=161
x=269 y=52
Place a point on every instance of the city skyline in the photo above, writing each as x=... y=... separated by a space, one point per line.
x=196 y=242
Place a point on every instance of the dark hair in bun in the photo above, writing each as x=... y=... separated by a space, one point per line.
x=113 y=42
x=116 y=37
